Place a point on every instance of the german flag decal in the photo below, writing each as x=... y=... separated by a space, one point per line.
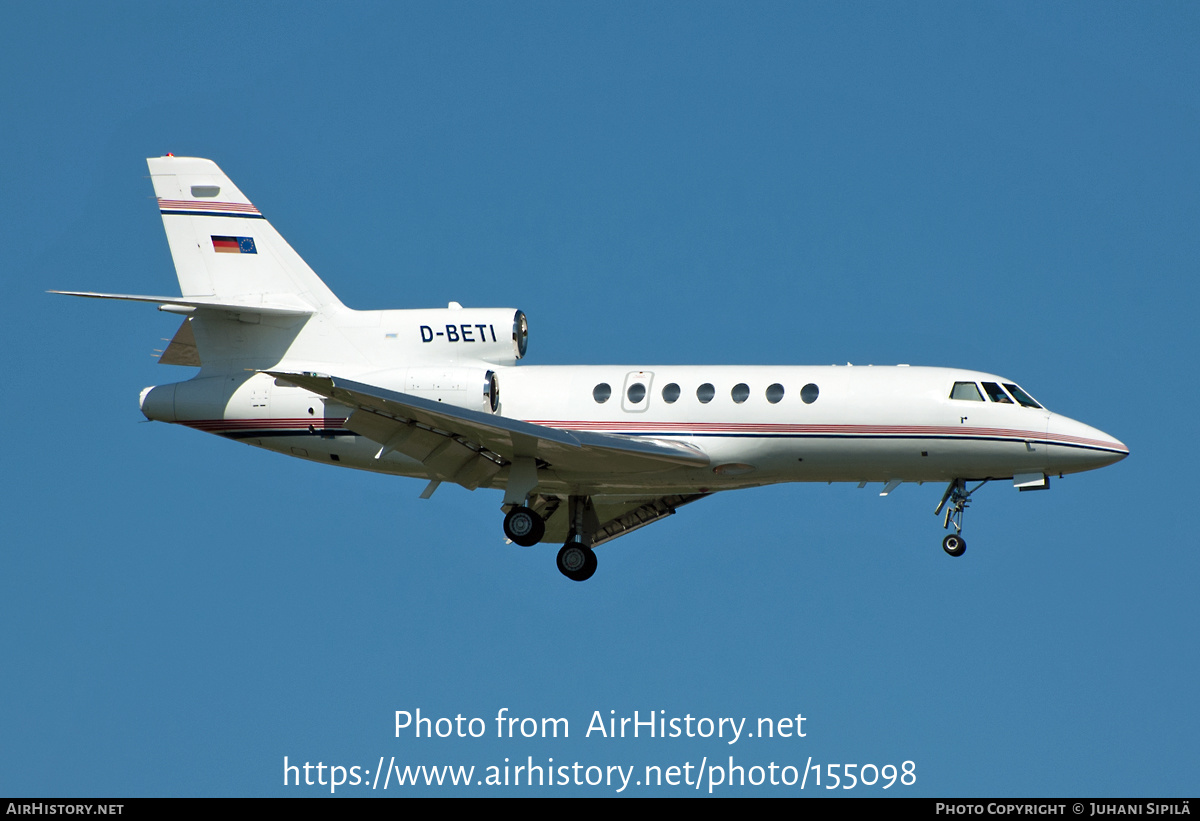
x=234 y=245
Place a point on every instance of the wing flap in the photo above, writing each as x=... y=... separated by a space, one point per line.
x=445 y=457
x=640 y=516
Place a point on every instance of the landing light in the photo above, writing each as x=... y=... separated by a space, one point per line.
x=733 y=469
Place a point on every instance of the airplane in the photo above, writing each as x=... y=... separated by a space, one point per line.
x=583 y=454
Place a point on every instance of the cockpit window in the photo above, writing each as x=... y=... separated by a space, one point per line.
x=966 y=390
x=1022 y=397
x=996 y=394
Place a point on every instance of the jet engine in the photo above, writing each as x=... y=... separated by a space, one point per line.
x=496 y=335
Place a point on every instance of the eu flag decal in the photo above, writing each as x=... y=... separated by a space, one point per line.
x=234 y=245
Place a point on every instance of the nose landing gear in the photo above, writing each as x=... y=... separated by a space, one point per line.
x=955 y=501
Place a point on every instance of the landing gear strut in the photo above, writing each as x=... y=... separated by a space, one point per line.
x=524 y=525
x=955 y=501
x=576 y=560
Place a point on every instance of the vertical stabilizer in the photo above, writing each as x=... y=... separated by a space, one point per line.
x=221 y=244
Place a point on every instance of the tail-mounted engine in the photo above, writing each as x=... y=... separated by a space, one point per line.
x=496 y=335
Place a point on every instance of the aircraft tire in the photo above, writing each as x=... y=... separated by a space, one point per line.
x=524 y=527
x=954 y=544
x=576 y=562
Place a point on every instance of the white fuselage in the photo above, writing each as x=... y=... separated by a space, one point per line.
x=863 y=423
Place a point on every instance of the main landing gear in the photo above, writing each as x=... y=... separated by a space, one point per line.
x=955 y=501
x=576 y=560
x=524 y=527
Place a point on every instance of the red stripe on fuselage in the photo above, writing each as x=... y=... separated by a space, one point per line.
x=702 y=428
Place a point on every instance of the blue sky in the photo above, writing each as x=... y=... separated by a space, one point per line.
x=1009 y=187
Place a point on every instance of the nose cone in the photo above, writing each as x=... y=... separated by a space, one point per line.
x=1077 y=447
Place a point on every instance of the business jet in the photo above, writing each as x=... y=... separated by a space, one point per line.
x=583 y=455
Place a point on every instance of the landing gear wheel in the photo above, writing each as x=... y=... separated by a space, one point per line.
x=954 y=544
x=524 y=527
x=576 y=562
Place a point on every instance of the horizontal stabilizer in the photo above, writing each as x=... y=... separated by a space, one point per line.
x=280 y=304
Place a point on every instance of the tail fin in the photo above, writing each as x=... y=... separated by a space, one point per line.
x=222 y=246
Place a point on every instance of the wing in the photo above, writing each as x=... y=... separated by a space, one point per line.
x=469 y=447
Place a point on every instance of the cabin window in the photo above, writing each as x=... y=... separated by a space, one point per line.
x=670 y=393
x=775 y=393
x=966 y=390
x=636 y=393
x=601 y=392
x=996 y=393
x=809 y=393
x=1022 y=397
x=740 y=392
x=705 y=393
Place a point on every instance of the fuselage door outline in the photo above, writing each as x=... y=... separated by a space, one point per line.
x=635 y=397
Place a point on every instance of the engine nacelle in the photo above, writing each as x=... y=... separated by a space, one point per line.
x=199 y=398
x=496 y=335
